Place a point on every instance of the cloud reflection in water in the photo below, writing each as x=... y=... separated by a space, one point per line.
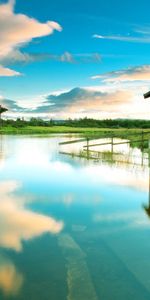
x=18 y=223
x=11 y=279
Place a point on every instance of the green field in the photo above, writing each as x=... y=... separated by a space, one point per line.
x=66 y=129
x=138 y=137
x=52 y=129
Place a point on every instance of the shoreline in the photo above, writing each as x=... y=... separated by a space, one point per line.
x=134 y=135
x=67 y=129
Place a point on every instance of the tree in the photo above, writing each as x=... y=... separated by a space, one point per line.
x=2 y=110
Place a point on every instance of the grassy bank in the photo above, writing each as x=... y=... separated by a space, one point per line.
x=66 y=129
x=55 y=129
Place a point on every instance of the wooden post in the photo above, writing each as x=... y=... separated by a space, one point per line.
x=142 y=161
x=112 y=144
x=87 y=148
x=147 y=207
x=142 y=142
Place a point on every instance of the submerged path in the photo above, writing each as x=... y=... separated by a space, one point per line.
x=80 y=285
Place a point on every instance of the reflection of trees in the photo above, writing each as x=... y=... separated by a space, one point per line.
x=18 y=223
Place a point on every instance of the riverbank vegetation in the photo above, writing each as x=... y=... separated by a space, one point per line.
x=78 y=123
x=87 y=127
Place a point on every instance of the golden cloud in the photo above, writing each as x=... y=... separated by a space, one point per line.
x=11 y=280
x=17 y=30
x=17 y=223
x=6 y=72
x=108 y=102
x=140 y=73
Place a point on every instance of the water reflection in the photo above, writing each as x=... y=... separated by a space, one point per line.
x=147 y=207
x=129 y=166
x=104 y=242
x=17 y=223
x=2 y=152
x=11 y=280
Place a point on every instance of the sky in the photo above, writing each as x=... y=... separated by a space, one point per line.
x=72 y=59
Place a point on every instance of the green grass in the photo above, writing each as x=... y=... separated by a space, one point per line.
x=131 y=134
x=48 y=130
x=64 y=129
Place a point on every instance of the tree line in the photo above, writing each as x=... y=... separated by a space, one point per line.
x=83 y=122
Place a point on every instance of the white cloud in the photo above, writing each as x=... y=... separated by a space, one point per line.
x=10 y=105
x=117 y=100
x=140 y=73
x=123 y=38
x=6 y=72
x=119 y=95
x=17 y=56
x=138 y=35
x=104 y=101
x=18 y=223
x=67 y=57
x=18 y=29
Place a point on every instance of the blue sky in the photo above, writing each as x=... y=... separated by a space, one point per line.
x=101 y=47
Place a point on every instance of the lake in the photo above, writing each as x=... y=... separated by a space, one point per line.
x=74 y=224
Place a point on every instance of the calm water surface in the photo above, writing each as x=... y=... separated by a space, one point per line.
x=72 y=228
